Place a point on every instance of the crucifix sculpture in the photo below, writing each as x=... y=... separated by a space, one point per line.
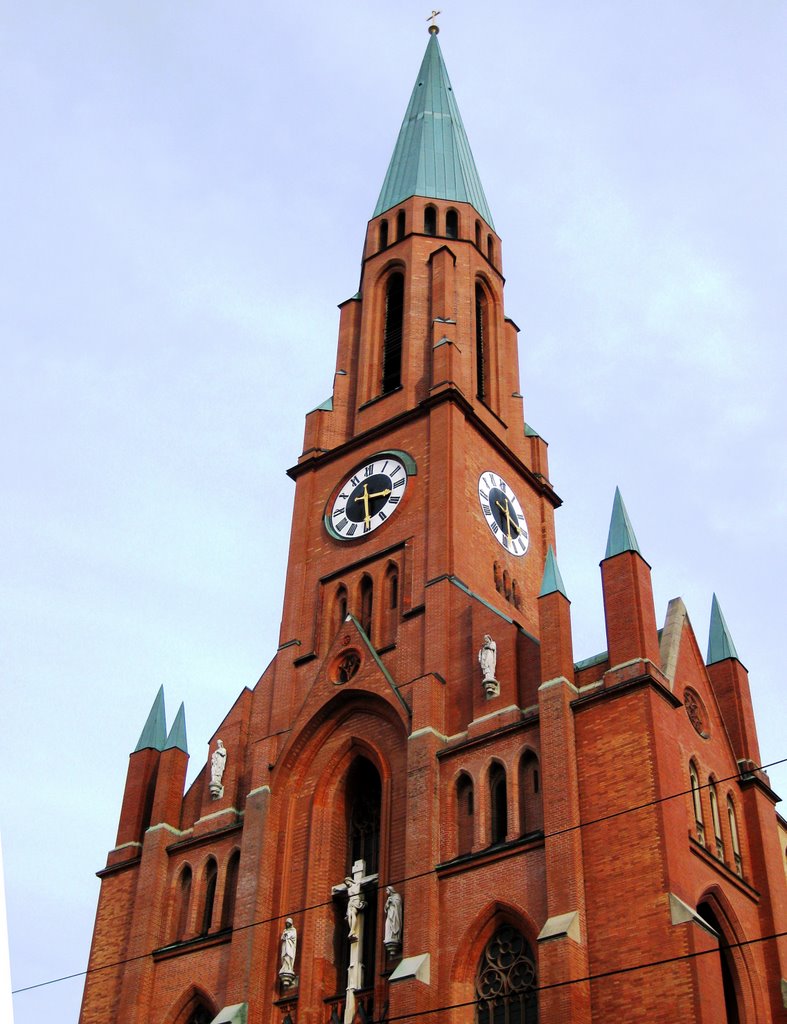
x=354 y=915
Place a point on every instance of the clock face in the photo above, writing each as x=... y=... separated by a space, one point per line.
x=503 y=513
x=367 y=498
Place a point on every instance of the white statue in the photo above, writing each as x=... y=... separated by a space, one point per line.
x=392 y=939
x=355 y=907
x=487 y=659
x=218 y=762
x=289 y=945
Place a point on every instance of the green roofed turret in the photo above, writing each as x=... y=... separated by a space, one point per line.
x=621 y=533
x=432 y=157
x=177 y=734
x=720 y=645
x=154 y=733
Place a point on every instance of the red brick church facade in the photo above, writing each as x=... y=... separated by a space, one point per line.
x=571 y=842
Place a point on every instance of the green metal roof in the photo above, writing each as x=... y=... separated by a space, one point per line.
x=177 y=734
x=621 y=532
x=154 y=733
x=432 y=156
x=552 y=582
x=720 y=645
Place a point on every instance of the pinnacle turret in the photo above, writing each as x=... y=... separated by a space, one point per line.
x=552 y=581
x=154 y=733
x=720 y=645
x=177 y=734
x=432 y=156
x=621 y=533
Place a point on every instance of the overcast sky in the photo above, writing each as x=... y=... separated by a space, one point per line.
x=183 y=197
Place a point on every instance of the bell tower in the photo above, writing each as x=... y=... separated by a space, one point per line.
x=426 y=406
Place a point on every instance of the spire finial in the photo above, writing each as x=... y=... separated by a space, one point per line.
x=434 y=28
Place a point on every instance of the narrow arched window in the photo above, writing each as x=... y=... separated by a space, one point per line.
x=716 y=820
x=230 y=890
x=532 y=811
x=367 y=592
x=339 y=608
x=478 y=234
x=464 y=814
x=184 y=899
x=498 y=803
x=430 y=220
x=211 y=875
x=392 y=334
x=383 y=235
x=452 y=224
x=490 y=249
x=400 y=225
x=696 y=802
x=505 y=983
x=393 y=587
x=736 y=847
x=481 y=344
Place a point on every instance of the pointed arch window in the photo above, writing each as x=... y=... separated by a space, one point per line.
x=392 y=333
x=452 y=224
x=184 y=900
x=729 y=1013
x=383 y=237
x=430 y=220
x=532 y=812
x=230 y=890
x=211 y=876
x=716 y=820
x=400 y=225
x=464 y=814
x=696 y=801
x=481 y=341
x=498 y=800
x=506 y=979
x=367 y=594
x=339 y=608
x=736 y=846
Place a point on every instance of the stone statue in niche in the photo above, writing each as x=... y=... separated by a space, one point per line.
x=289 y=945
x=218 y=763
x=487 y=659
x=392 y=939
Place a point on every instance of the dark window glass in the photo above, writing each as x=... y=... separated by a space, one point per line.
x=480 y=341
x=506 y=981
x=430 y=221
x=392 y=335
x=383 y=234
x=499 y=805
x=452 y=224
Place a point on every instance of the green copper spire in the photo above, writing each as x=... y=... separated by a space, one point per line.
x=154 y=734
x=621 y=532
x=720 y=645
x=552 y=582
x=177 y=734
x=432 y=157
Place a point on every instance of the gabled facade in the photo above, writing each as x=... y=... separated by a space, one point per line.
x=426 y=809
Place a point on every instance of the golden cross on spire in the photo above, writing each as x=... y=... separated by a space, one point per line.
x=433 y=28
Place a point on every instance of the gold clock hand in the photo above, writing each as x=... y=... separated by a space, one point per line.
x=365 y=499
x=509 y=521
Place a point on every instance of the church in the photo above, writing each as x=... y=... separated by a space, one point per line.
x=427 y=808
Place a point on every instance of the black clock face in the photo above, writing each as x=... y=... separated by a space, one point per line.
x=368 y=498
x=503 y=513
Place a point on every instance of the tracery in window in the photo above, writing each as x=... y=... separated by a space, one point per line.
x=506 y=980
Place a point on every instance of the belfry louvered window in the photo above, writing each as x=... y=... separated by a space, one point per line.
x=392 y=333
x=481 y=329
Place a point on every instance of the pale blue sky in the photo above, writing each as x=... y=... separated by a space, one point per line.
x=183 y=199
